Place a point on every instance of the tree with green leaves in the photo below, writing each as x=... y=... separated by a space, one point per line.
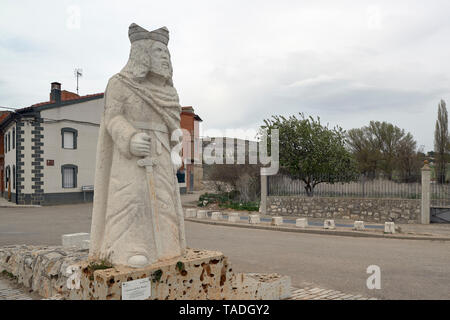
x=441 y=141
x=310 y=151
x=382 y=147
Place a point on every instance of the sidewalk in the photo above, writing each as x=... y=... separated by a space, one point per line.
x=7 y=204
x=439 y=232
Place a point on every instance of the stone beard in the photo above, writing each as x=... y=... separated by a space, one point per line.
x=137 y=216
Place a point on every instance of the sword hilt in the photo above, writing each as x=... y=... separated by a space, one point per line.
x=147 y=162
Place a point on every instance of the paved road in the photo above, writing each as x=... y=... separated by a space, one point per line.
x=409 y=269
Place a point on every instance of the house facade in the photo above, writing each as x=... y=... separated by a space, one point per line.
x=50 y=149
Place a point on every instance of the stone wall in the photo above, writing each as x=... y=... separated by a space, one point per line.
x=370 y=210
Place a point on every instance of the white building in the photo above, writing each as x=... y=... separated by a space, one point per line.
x=50 y=148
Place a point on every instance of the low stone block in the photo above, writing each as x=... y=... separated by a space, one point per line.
x=202 y=214
x=277 y=221
x=74 y=239
x=233 y=217
x=359 y=225
x=216 y=215
x=301 y=223
x=389 y=227
x=329 y=224
x=190 y=213
x=85 y=244
x=254 y=219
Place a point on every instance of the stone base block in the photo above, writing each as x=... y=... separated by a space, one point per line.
x=216 y=215
x=85 y=244
x=389 y=227
x=254 y=219
x=359 y=225
x=202 y=214
x=74 y=239
x=198 y=275
x=190 y=213
x=277 y=221
x=301 y=223
x=233 y=217
x=329 y=224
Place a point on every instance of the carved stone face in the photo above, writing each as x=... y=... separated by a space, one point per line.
x=160 y=60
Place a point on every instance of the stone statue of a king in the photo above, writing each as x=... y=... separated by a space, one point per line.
x=137 y=217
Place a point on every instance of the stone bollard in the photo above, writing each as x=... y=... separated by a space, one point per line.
x=389 y=227
x=74 y=239
x=233 y=217
x=301 y=223
x=85 y=244
x=202 y=214
x=216 y=215
x=329 y=224
x=254 y=219
x=190 y=213
x=359 y=225
x=277 y=221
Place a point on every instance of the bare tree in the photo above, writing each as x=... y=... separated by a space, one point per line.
x=441 y=141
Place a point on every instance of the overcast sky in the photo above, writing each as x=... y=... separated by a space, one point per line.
x=239 y=62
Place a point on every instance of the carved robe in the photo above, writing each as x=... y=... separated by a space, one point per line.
x=123 y=224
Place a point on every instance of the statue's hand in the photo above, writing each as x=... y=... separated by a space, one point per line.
x=140 y=145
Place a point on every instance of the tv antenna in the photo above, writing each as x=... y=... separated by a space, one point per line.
x=78 y=74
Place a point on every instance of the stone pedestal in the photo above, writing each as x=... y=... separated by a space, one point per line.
x=216 y=215
x=202 y=214
x=74 y=239
x=301 y=223
x=329 y=224
x=233 y=217
x=389 y=227
x=190 y=213
x=277 y=221
x=198 y=275
x=254 y=219
x=359 y=225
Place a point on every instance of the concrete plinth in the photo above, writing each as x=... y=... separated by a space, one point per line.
x=190 y=213
x=277 y=221
x=254 y=219
x=74 y=239
x=301 y=223
x=233 y=217
x=202 y=214
x=198 y=275
x=216 y=215
x=359 y=225
x=389 y=227
x=329 y=224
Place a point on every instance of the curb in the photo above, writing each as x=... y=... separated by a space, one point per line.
x=317 y=231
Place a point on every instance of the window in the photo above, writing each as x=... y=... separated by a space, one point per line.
x=7 y=175
x=69 y=138
x=9 y=141
x=69 y=175
x=14 y=138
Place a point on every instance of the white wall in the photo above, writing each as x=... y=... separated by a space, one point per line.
x=84 y=156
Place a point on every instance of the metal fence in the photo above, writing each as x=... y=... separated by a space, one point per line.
x=439 y=194
x=362 y=187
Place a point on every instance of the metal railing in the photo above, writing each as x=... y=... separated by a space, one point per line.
x=361 y=187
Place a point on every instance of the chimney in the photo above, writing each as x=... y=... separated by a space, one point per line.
x=55 y=93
